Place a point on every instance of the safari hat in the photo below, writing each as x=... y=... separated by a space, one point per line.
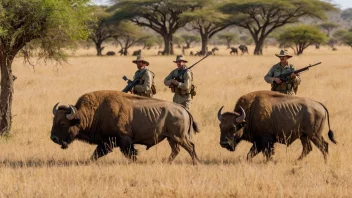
x=283 y=53
x=180 y=58
x=140 y=58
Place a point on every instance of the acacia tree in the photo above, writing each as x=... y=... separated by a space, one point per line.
x=49 y=25
x=129 y=35
x=261 y=17
x=207 y=21
x=189 y=39
x=102 y=28
x=328 y=27
x=300 y=37
x=347 y=39
x=346 y=14
x=162 y=16
x=229 y=38
x=343 y=36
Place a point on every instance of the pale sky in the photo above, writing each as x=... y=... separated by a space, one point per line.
x=342 y=3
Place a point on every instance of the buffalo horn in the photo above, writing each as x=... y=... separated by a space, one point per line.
x=219 y=113
x=72 y=113
x=55 y=108
x=242 y=116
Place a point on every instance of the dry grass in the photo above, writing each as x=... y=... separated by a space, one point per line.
x=31 y=165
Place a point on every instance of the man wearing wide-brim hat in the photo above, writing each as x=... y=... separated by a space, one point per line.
x=181 y=87
x=291 y=85
x=145 y=84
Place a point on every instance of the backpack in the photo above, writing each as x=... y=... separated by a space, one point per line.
x=193 y=90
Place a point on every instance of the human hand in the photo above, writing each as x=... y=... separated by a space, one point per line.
x=174 y=82
x=293 y=75
x=277 y=80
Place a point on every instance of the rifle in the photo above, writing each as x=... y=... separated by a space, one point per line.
x=284 y=77
x=131 y=84
x=185 y=70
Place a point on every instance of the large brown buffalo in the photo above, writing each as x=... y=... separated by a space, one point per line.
x=115 y=119
x=267 y=117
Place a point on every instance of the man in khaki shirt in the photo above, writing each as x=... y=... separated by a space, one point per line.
x=181 y=86
x=288 y=87
x=144 y=85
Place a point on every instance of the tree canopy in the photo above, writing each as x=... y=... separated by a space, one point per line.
x=162 y=16
x=102 y=28
x=208 y=21
x=328 y=27
x=46 y=26
x=261 y=17
x=229 y=38
x=300 y=37
x=346 y=14
x=129 y=35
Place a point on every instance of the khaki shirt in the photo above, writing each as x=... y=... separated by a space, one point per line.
x=143 y=86
x=183 y=89
x=286 y=87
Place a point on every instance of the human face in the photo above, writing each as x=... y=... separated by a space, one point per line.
x=140 y=64
x=283 y=59
x=180 y=64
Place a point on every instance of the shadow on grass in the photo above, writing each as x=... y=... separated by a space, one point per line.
x=39 y=163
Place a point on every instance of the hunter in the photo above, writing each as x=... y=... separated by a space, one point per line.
x=291 y=85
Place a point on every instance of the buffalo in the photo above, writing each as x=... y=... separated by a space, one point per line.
x=243 y=49
x=265 y=118
x=110 y=53
x=111 y=119
x=234 y=50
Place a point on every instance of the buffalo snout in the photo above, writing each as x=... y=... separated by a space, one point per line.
x=55 y=139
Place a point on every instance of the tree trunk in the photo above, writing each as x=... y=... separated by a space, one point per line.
x=204 y=38
x=166 y=50
x=228 y=44
x=6 y=95
x=258 y=50
x=171 y=45
x=99 y=48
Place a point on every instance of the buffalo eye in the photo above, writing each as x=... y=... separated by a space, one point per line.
x=63 y=124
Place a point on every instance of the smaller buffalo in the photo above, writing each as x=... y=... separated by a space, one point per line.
x=234 y=50
x=243 y=49
x=265 y=118
x=110 y=53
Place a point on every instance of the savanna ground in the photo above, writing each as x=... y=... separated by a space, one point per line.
x=31 y=165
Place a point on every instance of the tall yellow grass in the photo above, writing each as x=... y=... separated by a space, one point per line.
x=31 y=165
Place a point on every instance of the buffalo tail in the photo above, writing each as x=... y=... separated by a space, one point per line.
x=195 y=127
x=330 y=133
x=331 y=136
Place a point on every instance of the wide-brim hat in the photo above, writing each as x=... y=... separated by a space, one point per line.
x=283 y=53
x=180 y=58
x=140 y=58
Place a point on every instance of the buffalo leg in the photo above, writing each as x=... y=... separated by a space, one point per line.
x=252 y=152
x=102 y=150
x=268 y=150
x=322 y=145
x=190 y=148
x=307 y=146
x=127 y=148
x=175 y=149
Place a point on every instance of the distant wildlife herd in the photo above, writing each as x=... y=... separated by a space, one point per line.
x=233 y=51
